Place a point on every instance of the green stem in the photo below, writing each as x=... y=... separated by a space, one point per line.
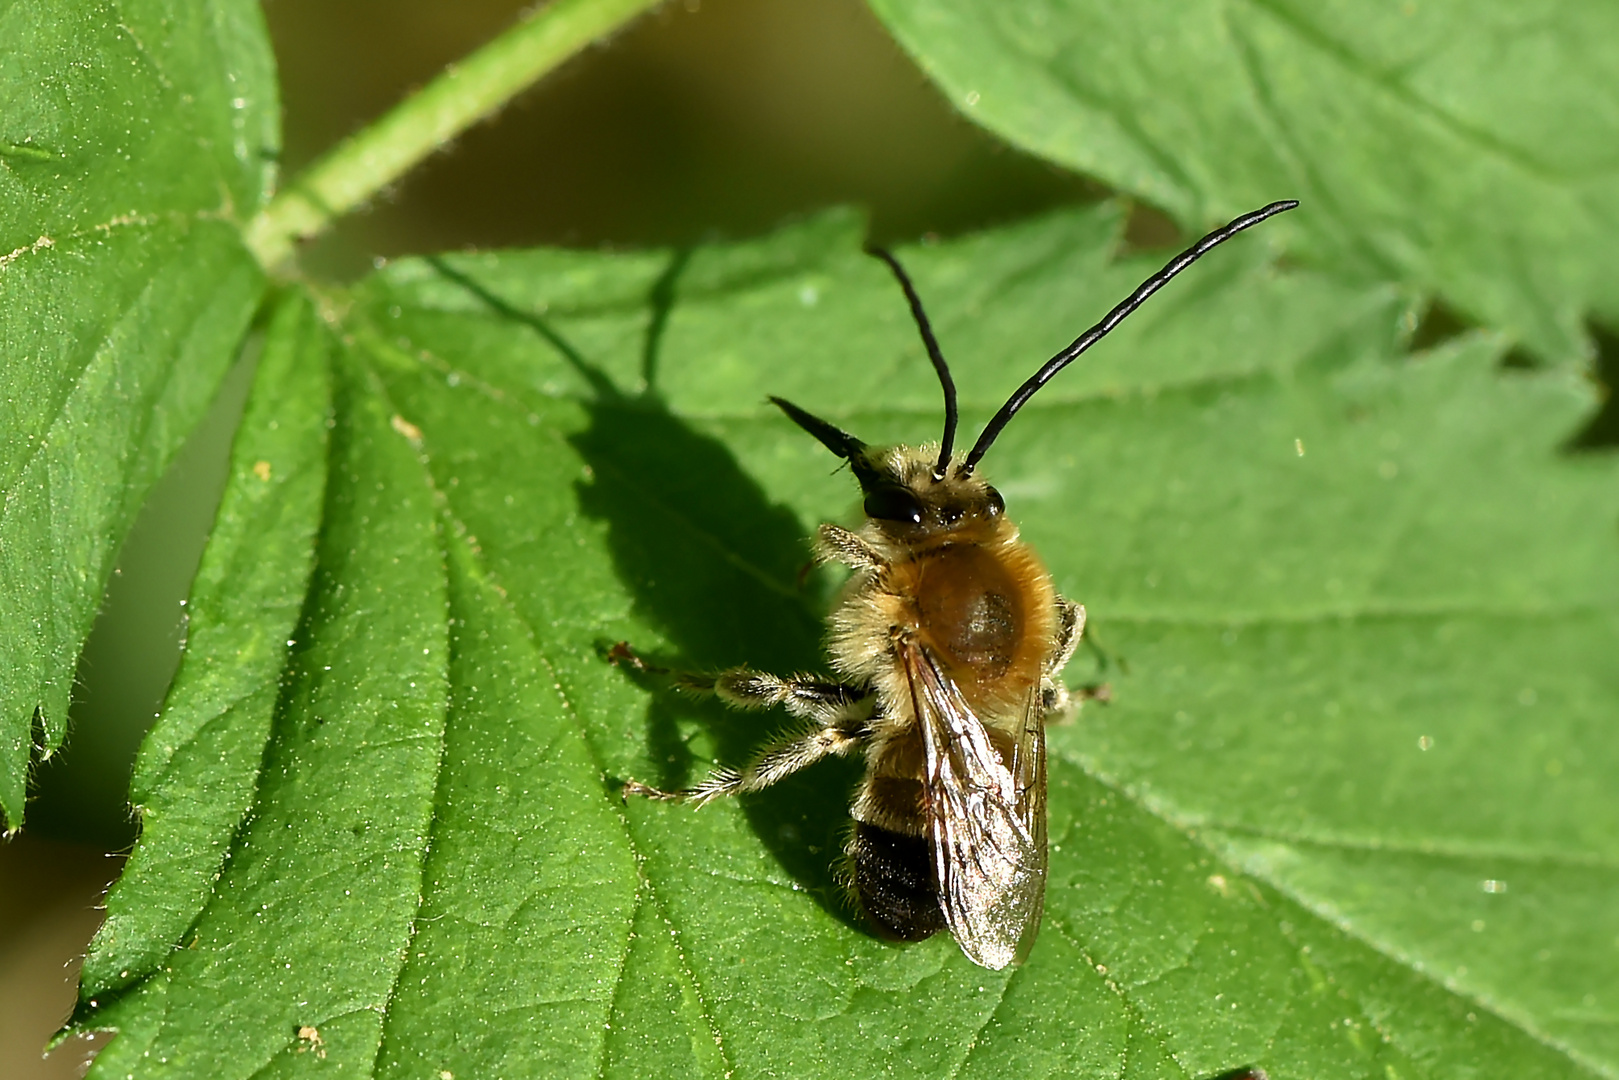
x=462 y=95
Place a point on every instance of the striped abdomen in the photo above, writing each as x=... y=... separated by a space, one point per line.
x=890 y=868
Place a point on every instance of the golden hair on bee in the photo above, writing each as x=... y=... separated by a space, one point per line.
x=948 y=644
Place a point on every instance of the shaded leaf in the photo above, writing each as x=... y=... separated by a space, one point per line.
x=1458 y=147
x=134 y=138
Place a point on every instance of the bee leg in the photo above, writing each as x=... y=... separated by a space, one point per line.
x=1070 y=627
x=840 y=714
x=785 y=756
x=744 y=688
x=1057 y=701
x=801 y=695
x=622 y=653
x=834 y=543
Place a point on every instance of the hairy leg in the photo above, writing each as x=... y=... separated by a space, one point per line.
x=839 y=716
x=783 y=757
x=833 y=543
x=1056 y=697
x=801 y=695
x=1070 y=628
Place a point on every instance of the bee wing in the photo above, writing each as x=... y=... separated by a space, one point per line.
x=986 y=821
x=1029 y=776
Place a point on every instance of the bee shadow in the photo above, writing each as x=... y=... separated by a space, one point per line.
x=717 y=568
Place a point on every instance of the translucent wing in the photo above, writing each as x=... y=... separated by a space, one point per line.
x=986 y=817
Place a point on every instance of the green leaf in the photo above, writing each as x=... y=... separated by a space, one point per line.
x=346 y=789
x=1321 y=573
x=200 y=764
x=530 y=888
x=134 y=139
x=1463 y=148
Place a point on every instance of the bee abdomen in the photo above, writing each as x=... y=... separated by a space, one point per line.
x=893 y=879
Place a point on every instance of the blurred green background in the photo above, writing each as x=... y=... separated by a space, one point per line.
x=707 y=118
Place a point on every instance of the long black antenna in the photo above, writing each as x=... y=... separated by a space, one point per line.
x=948 y=442
x=1114 y=317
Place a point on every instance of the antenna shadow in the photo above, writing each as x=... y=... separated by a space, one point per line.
x=717 y=567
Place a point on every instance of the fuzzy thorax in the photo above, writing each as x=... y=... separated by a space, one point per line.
x=958 y=581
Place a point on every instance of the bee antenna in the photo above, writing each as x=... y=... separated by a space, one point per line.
x=1114 y=318
x=947 y=443
x=832 y=437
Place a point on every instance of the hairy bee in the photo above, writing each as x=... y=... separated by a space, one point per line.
x=948 y=643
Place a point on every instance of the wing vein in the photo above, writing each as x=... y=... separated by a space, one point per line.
x=985 y=815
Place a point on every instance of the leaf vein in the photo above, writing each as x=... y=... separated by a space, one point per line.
x=1527 y=857
x=475 y=556
x=1363 y=70
x=1513 y=1017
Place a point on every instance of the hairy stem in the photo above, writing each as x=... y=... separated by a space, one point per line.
x=463 y=94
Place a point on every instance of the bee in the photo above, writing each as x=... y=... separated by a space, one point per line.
x=948 y=642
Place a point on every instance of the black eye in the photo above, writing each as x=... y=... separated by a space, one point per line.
x=994 y=505
x=894 y=504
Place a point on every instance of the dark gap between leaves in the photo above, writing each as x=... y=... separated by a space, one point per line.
x=1438 y=324
x=1441 y=324
x=1602 y=432
x=82 y=792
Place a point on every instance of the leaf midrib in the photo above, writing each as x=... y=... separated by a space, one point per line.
x=458 y=532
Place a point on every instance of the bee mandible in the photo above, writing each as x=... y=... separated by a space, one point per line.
x=948 y=643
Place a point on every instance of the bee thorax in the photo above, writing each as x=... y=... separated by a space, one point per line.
x=969 y=608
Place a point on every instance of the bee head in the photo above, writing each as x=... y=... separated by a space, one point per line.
x=906 y=493
x=911 y=498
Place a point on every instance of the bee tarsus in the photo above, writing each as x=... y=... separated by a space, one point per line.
x=635 y=787
x=1100 y=692
x=621 y=653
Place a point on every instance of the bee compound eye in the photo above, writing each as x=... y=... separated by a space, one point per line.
x=893 y=503
x=994 y=505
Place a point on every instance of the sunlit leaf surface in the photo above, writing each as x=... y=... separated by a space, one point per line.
x=1348 y=813
x=135 y=137
x=200 y=765
x=1463 y=147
